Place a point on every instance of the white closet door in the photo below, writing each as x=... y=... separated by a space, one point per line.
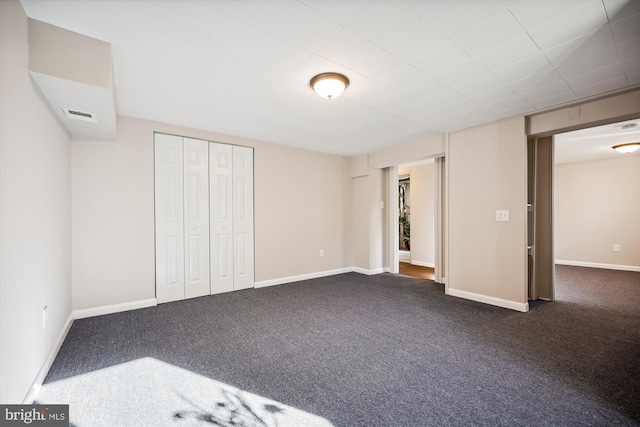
x=221 y=217
x=169 y=218
x=243 y=218
x=196 y=217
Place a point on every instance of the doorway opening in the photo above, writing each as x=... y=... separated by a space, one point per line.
x=416 y=219
x=583 y=203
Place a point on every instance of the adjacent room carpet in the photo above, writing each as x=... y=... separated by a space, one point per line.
x=355 y=350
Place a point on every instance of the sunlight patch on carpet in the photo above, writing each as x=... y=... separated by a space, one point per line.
x=149 y=392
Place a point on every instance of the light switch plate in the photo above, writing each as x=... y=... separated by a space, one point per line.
x=502 y=216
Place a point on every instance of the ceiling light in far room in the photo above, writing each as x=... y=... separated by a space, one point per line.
x=627 y=148
x=329 y=85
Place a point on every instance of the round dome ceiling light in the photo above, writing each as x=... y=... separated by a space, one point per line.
x=627 y=148
x=329 y=85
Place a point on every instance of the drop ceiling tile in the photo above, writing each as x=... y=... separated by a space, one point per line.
x=620 y=9
x=575 y=24
x=441 y=98
x=627 y=28
x=480 y=84
x=383 y=20
x=554 y=100
x=464 y=72
x=631 y=66
x=507 y=53
x=459 y=108
x=629 y=49
x=633 y=79
x=403 y=77
x=527 y=67
x=393 y=102
x=340 y=11
x=452 y=18
x=594 y=77
x=308 y=29
x=545 y=92
x=494 y=95
x=360 y=55
x=440 y=59
x=594 y=61
x=507 y=105
x=417 y=39
x=489 y=34
x=582 y=46
x=603 y=86
x=425 y=88
x=529 y=83
x=532 y=14
x=240 y=40
x=432 y=116
x=368 y=94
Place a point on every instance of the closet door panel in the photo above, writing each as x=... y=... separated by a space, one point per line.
x=169 y=218
x=221 y=217
x=243 y=217
x=196 y=217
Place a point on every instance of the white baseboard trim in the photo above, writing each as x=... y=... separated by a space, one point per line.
x=518 y=306
x=423 y=263
x=367 y=272
x=32 y=394
x=599 y=265
x=115 y=308
x=300 y=277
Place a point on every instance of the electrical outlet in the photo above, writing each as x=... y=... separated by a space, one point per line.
x=502 y=216
x=616 y=248
x=45 y=317
x=321 y=253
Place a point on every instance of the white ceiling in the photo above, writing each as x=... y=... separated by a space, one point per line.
x=416 y=67
x=595 y=143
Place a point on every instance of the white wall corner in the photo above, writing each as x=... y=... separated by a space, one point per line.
x=512 y=305
x=115 y=308
x=32 y=394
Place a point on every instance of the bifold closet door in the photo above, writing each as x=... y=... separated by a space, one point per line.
x=243 y=271
x=231 y=213
x=182 y=217
x=169 y=192
x=196 y=217
x=221 y=216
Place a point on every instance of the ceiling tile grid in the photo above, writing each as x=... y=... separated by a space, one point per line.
x=424 y=65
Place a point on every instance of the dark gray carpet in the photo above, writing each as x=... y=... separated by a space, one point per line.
x=390 y=350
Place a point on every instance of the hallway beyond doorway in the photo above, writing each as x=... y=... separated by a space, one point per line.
x=416 y=271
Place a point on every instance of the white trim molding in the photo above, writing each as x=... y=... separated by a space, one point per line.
x=300 y=277
x=32 y=394
x=512 y=305
x=367 y=272
x=115 y=308
x=423 y=263
x=599 y=265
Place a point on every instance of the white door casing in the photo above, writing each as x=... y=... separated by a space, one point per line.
x=169 y=218
x=196 y=217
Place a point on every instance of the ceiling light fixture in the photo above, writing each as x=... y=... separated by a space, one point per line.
x=627 y=148
x=329 y=85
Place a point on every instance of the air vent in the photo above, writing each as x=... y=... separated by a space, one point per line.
x=83 y=116
x=629 y=126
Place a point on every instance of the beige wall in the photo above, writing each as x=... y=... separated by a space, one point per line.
x=597 y=205
x=423 y=214
x=302 y=205
x=487 y=171
x=35 y=219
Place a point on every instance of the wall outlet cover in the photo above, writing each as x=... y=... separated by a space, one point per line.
x=502 y=215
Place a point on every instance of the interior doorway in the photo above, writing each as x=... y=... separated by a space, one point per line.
x=579 y=214
x=416 y=219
